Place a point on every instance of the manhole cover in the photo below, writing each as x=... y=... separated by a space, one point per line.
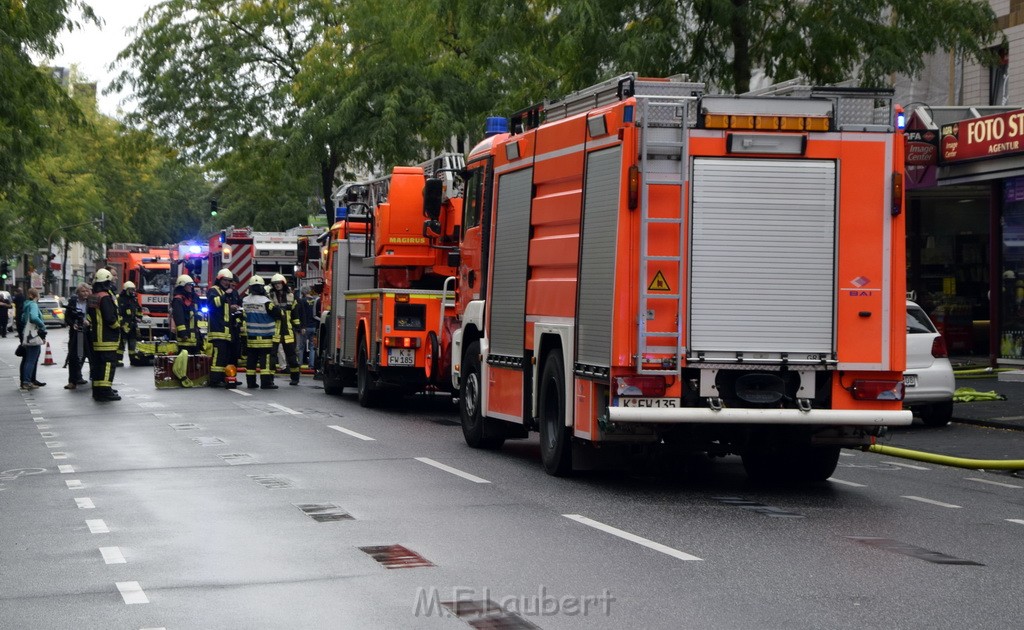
x=913 y=551
x=396 y=557
x=759 y=508
x=324 y=512
x=273 y=482
x=487 y=615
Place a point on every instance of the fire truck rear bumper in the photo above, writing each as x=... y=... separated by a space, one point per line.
x=818 y=417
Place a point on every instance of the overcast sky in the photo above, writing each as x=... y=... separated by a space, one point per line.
x=94 y=49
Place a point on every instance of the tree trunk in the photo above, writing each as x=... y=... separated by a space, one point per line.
x=739 y=29
x=327 y=168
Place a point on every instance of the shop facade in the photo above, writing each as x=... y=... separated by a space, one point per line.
x=965 y=227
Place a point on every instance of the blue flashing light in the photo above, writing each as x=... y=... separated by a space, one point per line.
x=627 y=114
x=205 y=310
x=495 y=125
x=341 y=212
x=194 y=249
x=901 y=120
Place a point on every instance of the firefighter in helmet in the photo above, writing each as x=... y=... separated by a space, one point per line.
x=289 y=321
x=261 y=317
x=185 y=315
x=131 y=314
x=105 y=334
x=221 y=310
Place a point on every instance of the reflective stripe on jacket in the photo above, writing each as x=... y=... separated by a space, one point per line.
x=260 y=321
x=220 y=313
x=105 y=322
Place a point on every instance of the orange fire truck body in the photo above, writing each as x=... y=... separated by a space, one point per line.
x=651 y=265
x=149 y=268
x=388 y=298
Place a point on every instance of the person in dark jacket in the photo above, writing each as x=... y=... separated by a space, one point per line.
x=309 y=324
x=283 y=297
x=222 y=308
x=5 y=312
x=131 y=314
x=261 y=320
x=19 y=307
x=104 y=335
x=185 y=316
x=78 y=335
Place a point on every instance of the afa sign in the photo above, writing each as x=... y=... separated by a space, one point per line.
x=986 y=137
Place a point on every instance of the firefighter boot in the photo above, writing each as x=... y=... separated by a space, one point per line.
x=267 y=381
x=295 y=379
x=216 y=380
x=250 y=382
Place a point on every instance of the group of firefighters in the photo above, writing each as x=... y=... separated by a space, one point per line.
x=253 y=327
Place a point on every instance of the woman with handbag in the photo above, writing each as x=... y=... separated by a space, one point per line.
x=33 y=340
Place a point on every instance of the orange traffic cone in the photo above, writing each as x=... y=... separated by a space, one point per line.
x=48 y=358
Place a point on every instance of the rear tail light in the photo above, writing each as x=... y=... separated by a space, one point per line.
x=939 y=348
x=640 y=386
x=878 y=390
x=402 y=342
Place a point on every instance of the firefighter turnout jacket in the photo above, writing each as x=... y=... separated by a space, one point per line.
x=289 y=319
x=130 y=310
x=220 y=314
x=184 y=318
x=104 y=322
x=261 y=319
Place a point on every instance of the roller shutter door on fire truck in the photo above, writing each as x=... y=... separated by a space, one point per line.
x=762 y=270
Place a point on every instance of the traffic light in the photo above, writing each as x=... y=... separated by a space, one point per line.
x=3 y=270
x=213 y=207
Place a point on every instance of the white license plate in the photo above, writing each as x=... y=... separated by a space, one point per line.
x=401 y=356
x=648 y=402
x=910 y=380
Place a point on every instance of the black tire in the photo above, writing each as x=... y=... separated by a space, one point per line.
x=555 y=437
x=937 y=414
x=333 y=385
x=365 y=392
x=810 y=464
x=470 y=412
x=432 y=358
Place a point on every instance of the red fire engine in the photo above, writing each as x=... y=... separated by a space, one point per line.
x=642 y=264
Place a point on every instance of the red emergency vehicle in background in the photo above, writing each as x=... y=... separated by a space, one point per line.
x=149 y=268
x=389 y=284
x=644 y=264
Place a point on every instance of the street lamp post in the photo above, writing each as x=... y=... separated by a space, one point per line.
x=49 y=248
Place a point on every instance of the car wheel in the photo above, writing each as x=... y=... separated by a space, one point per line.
x=937 y=414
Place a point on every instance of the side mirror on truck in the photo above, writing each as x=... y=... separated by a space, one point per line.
x=433 y=190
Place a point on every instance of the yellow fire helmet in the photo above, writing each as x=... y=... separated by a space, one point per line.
x=277 y=278
x=128 y=285
x=257 y=280
x=103 y=275
x=184 y=279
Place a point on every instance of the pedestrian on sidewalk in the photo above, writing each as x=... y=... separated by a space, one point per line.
x=19 y=307
x=78 y=335
x=34 y=336
x=5 y=312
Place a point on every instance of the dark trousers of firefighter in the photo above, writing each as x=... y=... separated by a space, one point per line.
x=222 y=358
x=101 y=372
x=259 y=360
x=78 y=350
x=129 y=339
x=289 y=355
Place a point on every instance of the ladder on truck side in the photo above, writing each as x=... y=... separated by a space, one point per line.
x=663 y=116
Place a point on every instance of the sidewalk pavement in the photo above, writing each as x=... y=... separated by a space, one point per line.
x=999 y=414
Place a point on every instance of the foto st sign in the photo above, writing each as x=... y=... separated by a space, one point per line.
x=986 y=137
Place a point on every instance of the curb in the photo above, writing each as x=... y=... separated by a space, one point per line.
x=991 y=423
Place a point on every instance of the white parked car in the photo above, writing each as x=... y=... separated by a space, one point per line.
x=928 y=380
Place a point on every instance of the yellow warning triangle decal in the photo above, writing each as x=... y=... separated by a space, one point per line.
x=659 y=283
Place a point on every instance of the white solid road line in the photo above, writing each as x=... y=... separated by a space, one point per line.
x=845 y=454
x=454 y=471
x=65 y=469
x=132 y=593
x=85 y=503
x=931 y=501
x=847 y=483
x=112 y=555
x=914 y=466
x=74 y=484
x=352 y=433
x=993 y=483
x=1019 y=521
x=97 y=526
x=286 y=409
x=614 y=531
x=239 y=392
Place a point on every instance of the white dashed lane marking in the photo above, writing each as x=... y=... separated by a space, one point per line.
x=74 y=484
x=931 y=501
x=239 y=392
x=914 y=466
x=65 y=469
x=352 y=433
x=993 y=483
x=1019 y=521
x=97 y=526
x=58 y=455
x=112 y=555
x=614 y=531
x=84 y=503
x=54 y=444
x=132 y=593
x=286 y=409
x=847 y=483
x=454 y=471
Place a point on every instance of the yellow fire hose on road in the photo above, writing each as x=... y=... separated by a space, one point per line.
x=947 y=460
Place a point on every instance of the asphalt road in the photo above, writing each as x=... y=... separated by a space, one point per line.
x=184 y=509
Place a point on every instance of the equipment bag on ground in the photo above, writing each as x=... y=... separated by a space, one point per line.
x=192 y=370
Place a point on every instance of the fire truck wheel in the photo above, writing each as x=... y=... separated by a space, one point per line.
x=555 y=437
x=801 y=465
x=366 y=394
x=333 y=385
x=469 y=402
x=431 y=358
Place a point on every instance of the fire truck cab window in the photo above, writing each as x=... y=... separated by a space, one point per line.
x=474 y=201
x=156 y=281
